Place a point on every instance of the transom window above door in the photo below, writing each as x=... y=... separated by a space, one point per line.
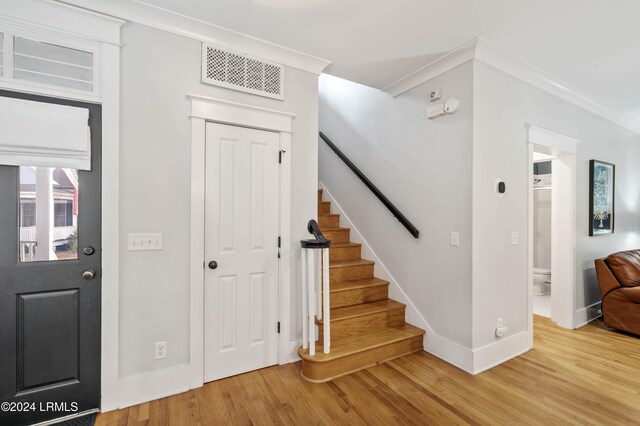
x=29 y=58
x=52 y=64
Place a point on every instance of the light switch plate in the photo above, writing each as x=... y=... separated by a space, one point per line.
x=139 y=242
x=455 y=239
x=515 y=238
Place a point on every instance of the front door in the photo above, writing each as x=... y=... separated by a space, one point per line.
x=241 y=250
x=50 y=285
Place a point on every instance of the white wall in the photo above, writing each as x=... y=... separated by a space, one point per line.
x=424 y=167
x=503 y=105
x=158 y=70
x=440 y=171
x=542 y=228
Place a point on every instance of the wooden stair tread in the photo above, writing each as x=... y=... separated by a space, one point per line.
x=363 y=309
x=367 y=327
x=341 y=348
x=341 y=245
x=349 y=262
x=357 y=284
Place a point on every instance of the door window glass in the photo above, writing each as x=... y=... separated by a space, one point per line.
x=48 y=214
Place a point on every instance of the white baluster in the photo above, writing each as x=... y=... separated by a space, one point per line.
x=319 y=286
x=311 y=273
x=326 y=294
x=305 y=316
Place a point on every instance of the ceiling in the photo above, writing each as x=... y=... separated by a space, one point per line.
x=592 y=45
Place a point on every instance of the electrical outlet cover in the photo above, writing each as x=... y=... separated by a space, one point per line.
x=161 y=350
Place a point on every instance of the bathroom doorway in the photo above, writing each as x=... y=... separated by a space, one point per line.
x=551 y=273
x=542 y=191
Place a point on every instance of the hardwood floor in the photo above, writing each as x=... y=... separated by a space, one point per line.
x=585 y=376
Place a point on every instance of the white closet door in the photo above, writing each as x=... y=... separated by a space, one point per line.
x=241 y=237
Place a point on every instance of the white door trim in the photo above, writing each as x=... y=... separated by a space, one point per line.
x=563 y=268
x=205 y=109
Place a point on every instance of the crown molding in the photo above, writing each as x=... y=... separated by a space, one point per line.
x=53 y=17
x=454 y=58
x=481 y=50
x=509 y=64
x=166 y=20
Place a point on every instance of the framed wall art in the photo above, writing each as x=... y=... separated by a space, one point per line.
x=602 y=185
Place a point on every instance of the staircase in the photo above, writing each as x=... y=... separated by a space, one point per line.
x=367 y=327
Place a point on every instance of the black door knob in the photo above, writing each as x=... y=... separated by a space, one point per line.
x=213 y=264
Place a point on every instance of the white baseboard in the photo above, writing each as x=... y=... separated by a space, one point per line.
x=585 y=315
x=449 y=351
x=443 y=348
x=152 y=385
x=156 y=384
x=500 y=351
x=292 y=353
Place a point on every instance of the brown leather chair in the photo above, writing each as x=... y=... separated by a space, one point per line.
x=619 y=281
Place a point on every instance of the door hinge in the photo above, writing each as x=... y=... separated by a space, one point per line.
x=278 y=242
x=278 y=327
x=282 y=151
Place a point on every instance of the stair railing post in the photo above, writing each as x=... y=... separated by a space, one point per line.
x=305 y=315
x=311 y=274
x=326 y=297
x=319 y=285
x=315 y=289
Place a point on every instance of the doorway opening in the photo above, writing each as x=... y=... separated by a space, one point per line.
x=542 y=191
x=551 y=273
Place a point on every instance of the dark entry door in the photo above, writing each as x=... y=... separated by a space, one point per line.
x=50 y=285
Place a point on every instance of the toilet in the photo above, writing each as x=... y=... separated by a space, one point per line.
x=541 y=281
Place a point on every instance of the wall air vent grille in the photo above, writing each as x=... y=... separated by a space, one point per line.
x=241 y=72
